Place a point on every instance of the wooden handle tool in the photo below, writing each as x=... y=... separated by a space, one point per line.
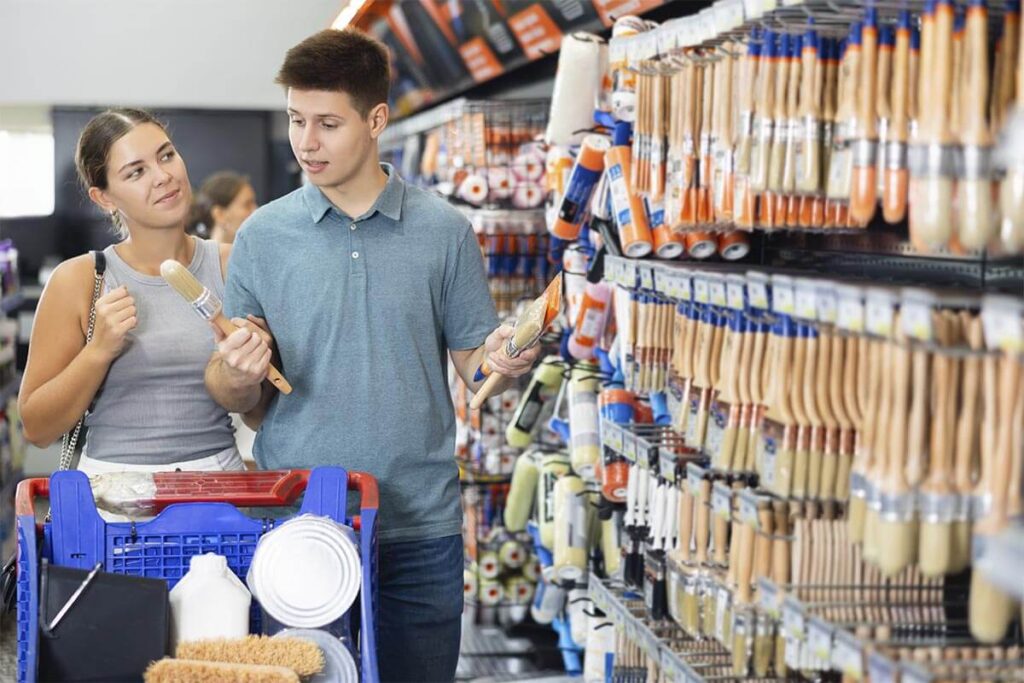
x=864 y=188
x=894 y=195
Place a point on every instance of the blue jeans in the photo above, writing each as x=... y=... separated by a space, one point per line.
x=420 y=610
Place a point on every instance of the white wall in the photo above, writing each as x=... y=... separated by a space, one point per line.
x=220 y=54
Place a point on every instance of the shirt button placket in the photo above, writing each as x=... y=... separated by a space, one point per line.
x=355 y=252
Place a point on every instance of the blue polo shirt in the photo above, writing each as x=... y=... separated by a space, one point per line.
x=364 y=312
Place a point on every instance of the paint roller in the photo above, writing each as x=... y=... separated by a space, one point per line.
x=590 y=320
x=570 y=542
x=553 y=466
x=209 y=308
x=473 y=189
x=583 y=178
x=585 y=442
x=548 y=600
x=537 y=316
x=576 y=88
x=522 y=490
x=543 y=386
x=627 y=206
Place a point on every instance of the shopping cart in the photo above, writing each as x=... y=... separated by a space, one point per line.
x=197 y=514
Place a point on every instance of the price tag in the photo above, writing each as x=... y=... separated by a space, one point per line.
x=667 y=465
x=827 y=305
x=793 y=619
x=721 y=500
x=806 y=303
x=847 y=655
x=850 y=315
x=748 y=508
x=768 y=597
x=782 y=295
x=646 y=278
x=819 y=639
x=916 y=318
x=643 y=449
x=614 y=437
x=628 y=445
x=757 y=291
x=881 y=669
x=717 y=291
x=628 y=275
x=694 y=476
x=723 y=598
x=1001 y=320
x=912 y=673
x=700 y=291
x=734 y=293
x=879 y=313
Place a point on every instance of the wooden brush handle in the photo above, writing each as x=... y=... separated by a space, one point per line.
x=974 y=130
x=793 y=86
x=917 y=423
x=967 y=423
x=956 y=87
x=926 y=107
x=883 y=84
x=1014 y=504
x=938 y=99
x=838 y=358
x=1000 y=482
x=703 y=512
x=945 y=388
x=715 y=362
x=881 y=418
x=867 y=123
x=989 y=422
x=780 y=545
x=273 y=374
x=745 y=563
x=808 y=85
x=897 y=457
x=763 y=542
x=685 y=531
x=849 y=78
x=900 y=86
x=799 y=370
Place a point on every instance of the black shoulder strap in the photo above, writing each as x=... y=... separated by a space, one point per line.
x=101 y=262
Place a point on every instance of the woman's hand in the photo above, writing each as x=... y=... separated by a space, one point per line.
x=116 y=316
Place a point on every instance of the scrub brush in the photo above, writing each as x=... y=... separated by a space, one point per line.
x=192 y=671
x=301 y=656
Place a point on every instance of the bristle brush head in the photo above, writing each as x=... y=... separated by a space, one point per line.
x=183 y=282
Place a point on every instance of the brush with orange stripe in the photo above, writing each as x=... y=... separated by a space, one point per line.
x=722 y=145
x=894 y=193
x=536 y=318
x=743 y=197
x=864 y=185
x=707 y=95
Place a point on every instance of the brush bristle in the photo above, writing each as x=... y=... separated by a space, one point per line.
x=898 y=546
x=858 y=510
x=183 y=282
x=936 y=549
x=991 y=611
x=192 y=671
x=301 y=656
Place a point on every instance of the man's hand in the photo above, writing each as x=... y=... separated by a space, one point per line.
x=499 y=361
x=246 y=352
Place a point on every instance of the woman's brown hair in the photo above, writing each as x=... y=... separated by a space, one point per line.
x=94 y=144
x=220 y=189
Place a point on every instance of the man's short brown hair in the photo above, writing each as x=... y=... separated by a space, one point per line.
x=346 y=61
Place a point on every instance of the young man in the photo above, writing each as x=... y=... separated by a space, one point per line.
x=368 y=285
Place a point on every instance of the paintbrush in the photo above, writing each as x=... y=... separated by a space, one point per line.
x=808 y=132
x=536 y=317
x=828 y=374
x=764 y=123
x=209 y=308
x=883 y=101
x=788 y=203
x=1011 y=190
x=743 y=196
x=967 y=445
x=977 y=221
x=880 y=424
x=840 y=161
x=991 y=611
x=870 y=385
x=690 y=113
x=722 y=184
x=931 y=210
x=864 y=187
x=894 y=194
x=704 y=210
x=770 y=215
x=895 y=545
x=802 y=344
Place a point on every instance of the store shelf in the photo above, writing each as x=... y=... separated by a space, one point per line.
x=11 y=302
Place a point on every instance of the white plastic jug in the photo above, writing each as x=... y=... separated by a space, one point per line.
x=209 y=602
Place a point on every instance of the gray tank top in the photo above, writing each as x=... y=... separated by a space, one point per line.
x=153 y=407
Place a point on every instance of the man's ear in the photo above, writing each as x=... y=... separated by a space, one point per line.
x=99 y=198
x=378 y=119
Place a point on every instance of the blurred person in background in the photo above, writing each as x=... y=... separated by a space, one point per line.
x=221 y=205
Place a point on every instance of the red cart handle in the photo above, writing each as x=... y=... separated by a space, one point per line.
x=244 y=489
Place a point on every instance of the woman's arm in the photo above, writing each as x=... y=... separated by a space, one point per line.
x=63 y=373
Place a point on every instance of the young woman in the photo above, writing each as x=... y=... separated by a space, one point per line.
x=141 y=376
x=222 y=203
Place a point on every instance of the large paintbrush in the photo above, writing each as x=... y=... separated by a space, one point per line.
x=528 y=330
x=209 y=308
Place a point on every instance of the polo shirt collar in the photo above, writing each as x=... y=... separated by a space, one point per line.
x=389 y=201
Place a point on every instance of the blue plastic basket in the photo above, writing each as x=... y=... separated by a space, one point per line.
x=161 y=548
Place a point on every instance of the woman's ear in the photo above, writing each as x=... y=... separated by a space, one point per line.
x=100 y=199
x=378 y=119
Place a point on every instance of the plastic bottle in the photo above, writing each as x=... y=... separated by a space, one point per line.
x=590 y=320
x=209 y=602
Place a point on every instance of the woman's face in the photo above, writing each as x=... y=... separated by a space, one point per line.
x=231 y=217
x=146 y=180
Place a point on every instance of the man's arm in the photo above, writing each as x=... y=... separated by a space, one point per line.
x=493 y=350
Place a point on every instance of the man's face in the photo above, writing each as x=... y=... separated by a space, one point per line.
x=331 y=140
